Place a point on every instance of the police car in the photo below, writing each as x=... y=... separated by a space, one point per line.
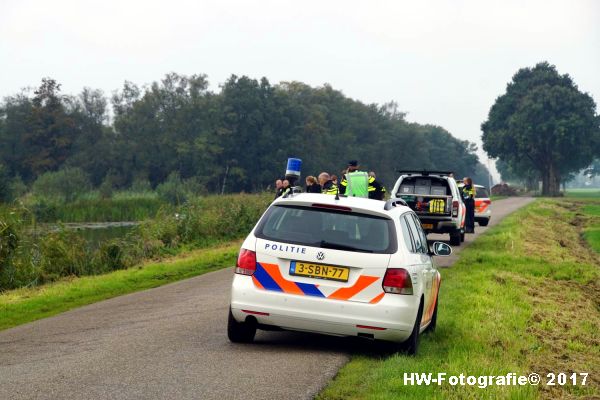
x=345 y=267
x=483 y=205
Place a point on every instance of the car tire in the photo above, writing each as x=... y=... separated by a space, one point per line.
x=433 y=323
x=455 y=238
x=411 y=345
x=483 y=222
x=240 y=332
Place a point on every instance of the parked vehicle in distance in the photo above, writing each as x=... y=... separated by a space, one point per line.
x=345 y=267
x=483 y=204
x=435 y=198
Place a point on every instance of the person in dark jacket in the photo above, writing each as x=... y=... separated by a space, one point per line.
x=312 y=186
x=278 y=188
x=286 y=188
x=468 y=195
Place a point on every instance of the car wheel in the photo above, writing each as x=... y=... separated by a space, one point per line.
x=455 y=238
x=433 y=323
x=411 y=345
x=240 y=332
x=483 y=222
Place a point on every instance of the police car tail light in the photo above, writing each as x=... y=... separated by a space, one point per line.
x=397 y=280
x=455 y=208
x=246 y=263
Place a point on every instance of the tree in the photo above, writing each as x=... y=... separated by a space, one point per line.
x=545 y=122
x=52 y=130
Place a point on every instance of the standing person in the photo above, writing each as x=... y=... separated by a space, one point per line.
x=468 y=194
x=327 y=185
x=312 y=186
x=278 y=188
x=359 y=184
x=376 y=189
x=286 y=189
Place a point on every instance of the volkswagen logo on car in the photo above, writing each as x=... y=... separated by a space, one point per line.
x=320 y=256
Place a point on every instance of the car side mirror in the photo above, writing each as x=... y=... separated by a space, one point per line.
x=441 y=249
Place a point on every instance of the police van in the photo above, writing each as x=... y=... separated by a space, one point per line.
x=437 y=200
x=337 y=266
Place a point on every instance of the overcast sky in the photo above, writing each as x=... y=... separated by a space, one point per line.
x=443 y=62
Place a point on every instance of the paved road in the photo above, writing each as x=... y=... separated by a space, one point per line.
x=169 y=343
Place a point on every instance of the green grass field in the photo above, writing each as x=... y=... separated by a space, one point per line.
x=525 y=297
x=25 y=305
x=583 y=193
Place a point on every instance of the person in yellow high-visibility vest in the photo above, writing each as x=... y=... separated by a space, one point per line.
x=358 y=183
x=468 y=195
x=327 y=185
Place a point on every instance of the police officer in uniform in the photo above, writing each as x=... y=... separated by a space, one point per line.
x=358 y=183
x=468 y=194
x=327 y=185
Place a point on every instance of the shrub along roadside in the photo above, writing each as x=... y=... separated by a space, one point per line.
x=29 y=259
x=123 y=206
x=25 y=305
x=522 y=298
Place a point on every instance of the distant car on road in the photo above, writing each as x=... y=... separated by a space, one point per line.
x=344 y=267
x=435 y=197
x=483 y=204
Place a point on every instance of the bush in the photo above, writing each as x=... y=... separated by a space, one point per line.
x=27 y=258
x=111 y=255
x=64 y=253
x=5 y=187
x=208 y=219
x=66 y=184
x=141 y=185
x=106 y=187
x=173 y=190
x=18 y=187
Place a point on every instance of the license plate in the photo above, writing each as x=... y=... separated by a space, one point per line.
x=300 y=268
x=427 y=226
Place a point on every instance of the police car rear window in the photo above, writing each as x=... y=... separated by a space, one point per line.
x=328 y=229
x=481 y=193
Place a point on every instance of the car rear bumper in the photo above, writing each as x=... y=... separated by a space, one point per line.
x=483 y=215
x=394 y=315
x=445 y=225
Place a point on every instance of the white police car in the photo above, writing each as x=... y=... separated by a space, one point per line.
x=347 y=267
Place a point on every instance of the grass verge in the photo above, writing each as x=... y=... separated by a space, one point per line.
x=592 y=230
x=524 y=297
x=25 y=305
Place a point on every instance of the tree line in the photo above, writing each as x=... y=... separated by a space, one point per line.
x=236 y=139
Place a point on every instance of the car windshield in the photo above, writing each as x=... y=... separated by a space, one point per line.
x=326 y=228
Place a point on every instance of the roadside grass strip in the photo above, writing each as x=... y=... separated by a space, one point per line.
x=592 y=231
x=25 y=305
x=523 y=298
